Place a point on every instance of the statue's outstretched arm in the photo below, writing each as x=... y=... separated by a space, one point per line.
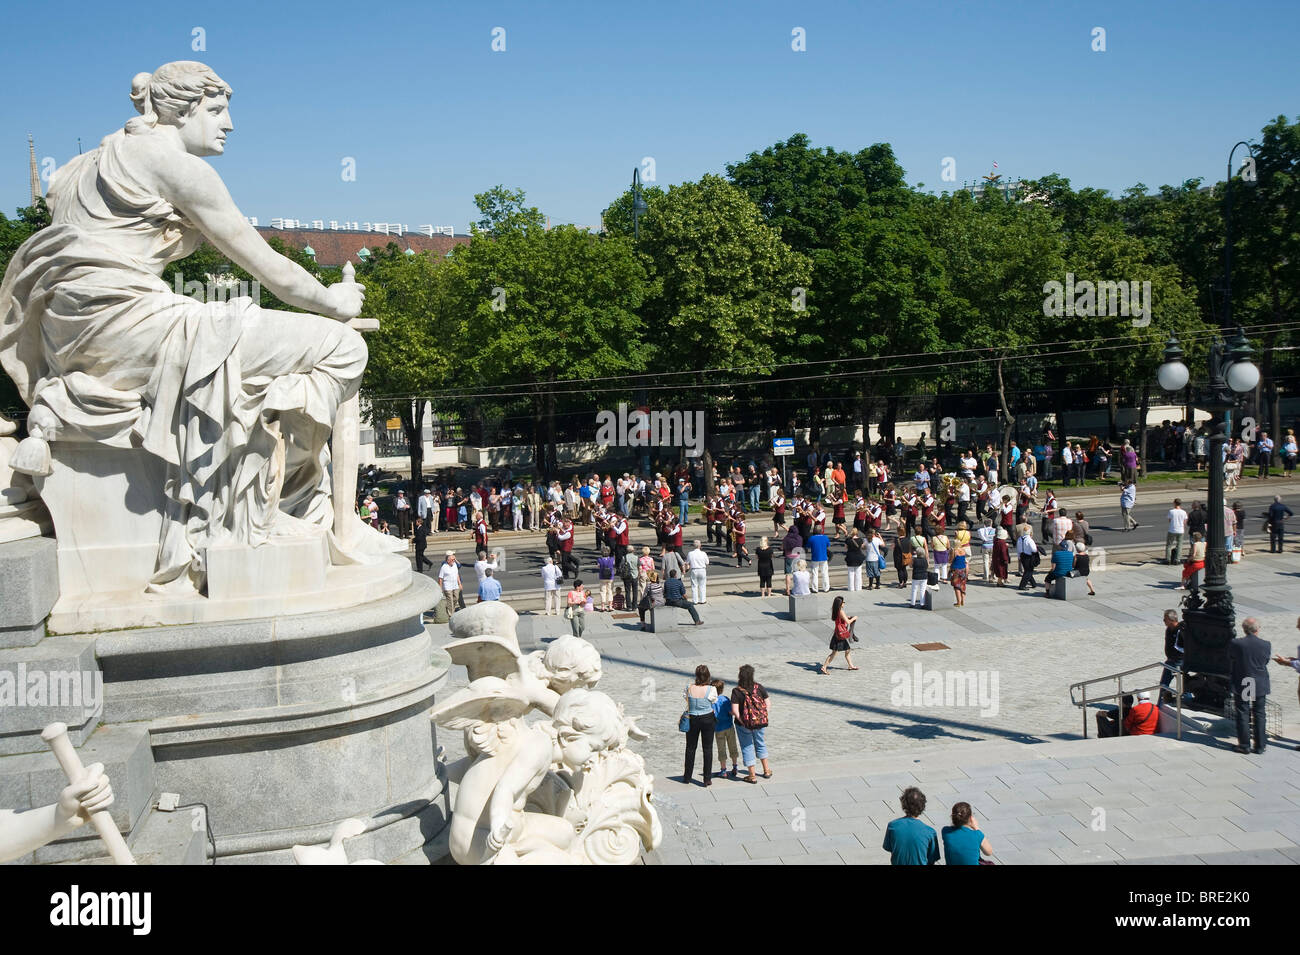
x=197 y=191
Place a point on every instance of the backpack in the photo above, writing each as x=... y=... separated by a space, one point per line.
x=753 y=710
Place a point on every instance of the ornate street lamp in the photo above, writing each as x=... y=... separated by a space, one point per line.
x=639 y=205
x=1208 y=613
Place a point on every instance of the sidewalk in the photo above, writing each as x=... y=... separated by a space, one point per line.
x=853 y=737
x=1145 y=800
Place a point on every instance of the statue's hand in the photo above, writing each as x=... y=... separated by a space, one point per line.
x=86 y=796
x=500 y=836
x=343 y=300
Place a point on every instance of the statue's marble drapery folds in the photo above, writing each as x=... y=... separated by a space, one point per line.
x=233 y=403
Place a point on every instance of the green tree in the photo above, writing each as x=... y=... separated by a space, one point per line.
x=544 y=311
x=502 y=211
x=409 y=360
x=13 y=233
x=721 y=286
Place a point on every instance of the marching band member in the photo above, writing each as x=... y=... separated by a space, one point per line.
x=1008 y=509
x=1023 y=504
x=778 y=506
x=982 y=494
x=738 y=529
x=860 y=515
x=819 y=518
x=620 y=535
x=963 y=500
x=480 y=533
x=564 y=534
x=1049 y=514
x=673 y=534
x=837 y=505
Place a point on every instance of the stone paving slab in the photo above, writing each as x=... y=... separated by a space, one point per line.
x=844 y=745
x=1033 y=831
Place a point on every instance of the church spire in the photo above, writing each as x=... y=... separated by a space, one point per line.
x=35 y=174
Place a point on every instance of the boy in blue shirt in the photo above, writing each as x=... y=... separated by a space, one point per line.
x=908 y=840
x=724 y=735
x=819 y=548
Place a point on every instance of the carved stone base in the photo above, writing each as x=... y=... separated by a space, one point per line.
x=283 y=725
x=281 y=565
x=345 y=586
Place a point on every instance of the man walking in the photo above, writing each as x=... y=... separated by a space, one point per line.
x=697 y=560
x=449 y=577
x=1277 y=515
x=1248 y=658
x=1173 y=654
x=1027 y=551
x=1177 y=530
x=1127 y=499
x=421 y=542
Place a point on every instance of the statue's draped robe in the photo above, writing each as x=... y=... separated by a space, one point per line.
x=109 y=353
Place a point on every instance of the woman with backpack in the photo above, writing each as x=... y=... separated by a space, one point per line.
x=749 y=701
x=840 y=637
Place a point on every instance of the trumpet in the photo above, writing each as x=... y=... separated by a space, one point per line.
x=952 y=484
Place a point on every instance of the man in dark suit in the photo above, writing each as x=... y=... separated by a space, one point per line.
x=1276 y=516
x=1248 y=658
x=421 y=542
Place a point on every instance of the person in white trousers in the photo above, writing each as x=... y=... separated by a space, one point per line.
x=551 y=577
x=698 y=561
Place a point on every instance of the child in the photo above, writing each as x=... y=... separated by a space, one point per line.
x=619 y=603
x=724 y=736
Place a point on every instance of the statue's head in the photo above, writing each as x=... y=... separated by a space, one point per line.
x=572 y=662
x=188 y=96
x=586 y=722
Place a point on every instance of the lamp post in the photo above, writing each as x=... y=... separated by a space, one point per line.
x=638 y=204
x=1209 y=616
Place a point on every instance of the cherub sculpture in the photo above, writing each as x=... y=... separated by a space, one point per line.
x=560 y=791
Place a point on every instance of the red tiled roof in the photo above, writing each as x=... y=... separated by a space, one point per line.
x=334 y=247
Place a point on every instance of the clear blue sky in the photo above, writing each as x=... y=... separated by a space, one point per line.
x=584 y=91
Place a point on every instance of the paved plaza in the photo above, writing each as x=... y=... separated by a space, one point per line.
x=842 y=746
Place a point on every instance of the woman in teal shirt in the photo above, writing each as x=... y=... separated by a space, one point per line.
x=963 y=843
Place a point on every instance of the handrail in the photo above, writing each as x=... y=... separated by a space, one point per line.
x=1121 y=692
x=1112 y=676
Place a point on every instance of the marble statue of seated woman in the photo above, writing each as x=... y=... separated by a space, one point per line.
x=235 y=402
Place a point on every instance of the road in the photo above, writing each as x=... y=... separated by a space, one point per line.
x=525 y=552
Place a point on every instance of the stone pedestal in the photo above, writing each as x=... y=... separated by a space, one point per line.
x=283 y=725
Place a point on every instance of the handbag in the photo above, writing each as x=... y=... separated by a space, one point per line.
x=684 y=722
x=568 y=612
